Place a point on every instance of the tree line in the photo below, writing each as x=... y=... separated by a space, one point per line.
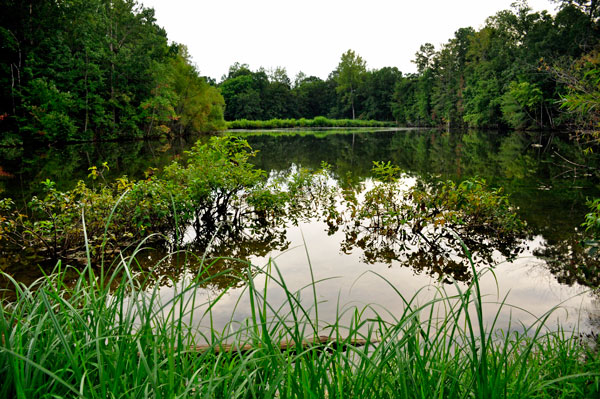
x=514 y=72
x=96 y=70
x=351 y=91
x=75 y=70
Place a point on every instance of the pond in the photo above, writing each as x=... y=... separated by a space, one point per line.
x=548 y=182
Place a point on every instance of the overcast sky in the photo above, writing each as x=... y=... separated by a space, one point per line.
x=311 y=35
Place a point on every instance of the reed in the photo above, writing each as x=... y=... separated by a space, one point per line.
x=114 y=335
x=317 y=122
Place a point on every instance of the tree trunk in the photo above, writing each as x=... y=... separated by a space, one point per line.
x=592 y=9
x=352 y=102
x=111 y=35
x=87 y=110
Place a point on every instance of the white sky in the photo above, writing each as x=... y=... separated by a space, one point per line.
x=311 y=35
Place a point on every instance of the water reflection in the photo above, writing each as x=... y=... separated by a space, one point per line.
x=549 y=194
x=429 y=227
x=23 y=169
x=571 y=261
x=427 y=242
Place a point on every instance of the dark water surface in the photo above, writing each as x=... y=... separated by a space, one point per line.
x=548 y=182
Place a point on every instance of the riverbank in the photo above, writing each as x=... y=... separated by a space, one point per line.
x=319 y=121
x=70 y=338
x=320 y=132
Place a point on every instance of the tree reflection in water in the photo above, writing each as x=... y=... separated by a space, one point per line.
x=424 y=226
x=428 y=227
x=571 y=262
x=425 y=239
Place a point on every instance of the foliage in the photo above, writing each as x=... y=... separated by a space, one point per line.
x=521 y=105
x=218 y=194
x=319 y=121
x=69 y=334
x=583 y=97
x=216 y=175
x=258 y=95
x=242 y=92
x=99 y=69
x=425 y=225
x=103 y=70
x=49 y=111
x=376 y=94
x=314 y=96
x=350 y=75
x=494 y=77
x=200 y=106
x=216 y=188
x=158 y=111
x=592 y=219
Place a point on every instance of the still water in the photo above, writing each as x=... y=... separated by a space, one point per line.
x=548 y=182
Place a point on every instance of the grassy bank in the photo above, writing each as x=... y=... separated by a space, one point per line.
x=110 y=335
x=314 y=132
x=319 y=121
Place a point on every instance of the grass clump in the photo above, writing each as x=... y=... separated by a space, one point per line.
x=319 y=121
x=116 y=335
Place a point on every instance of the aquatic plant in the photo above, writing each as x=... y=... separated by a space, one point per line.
x=215 y=184
x=218 y=198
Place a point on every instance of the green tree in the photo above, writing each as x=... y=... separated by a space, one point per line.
x=199 y=106
x=314 y=96
x=48 y=110
x=582 y=100
x=404 y=98
x=378 y=92
x=424 y=57
x=84 y=69
x=258 y=95
x=449 y=81
x=521 y=105
x=351 y=73
x=278 y=100
x=589 y=7
x=242 y=91
x=423 y=107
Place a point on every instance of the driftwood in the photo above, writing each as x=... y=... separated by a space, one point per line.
x=320 y=343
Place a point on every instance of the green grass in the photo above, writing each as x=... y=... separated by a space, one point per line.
x=319 y=121
x=318 y=133
x=111 y=335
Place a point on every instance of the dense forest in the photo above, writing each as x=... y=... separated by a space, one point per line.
x=514 y=72
x=74 y=70
x=96 y=70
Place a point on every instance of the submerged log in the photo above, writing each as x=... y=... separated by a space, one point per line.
x=320 y=343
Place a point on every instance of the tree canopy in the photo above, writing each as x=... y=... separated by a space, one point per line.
x=510 y=73
x=73 y=70
x=351 y=73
